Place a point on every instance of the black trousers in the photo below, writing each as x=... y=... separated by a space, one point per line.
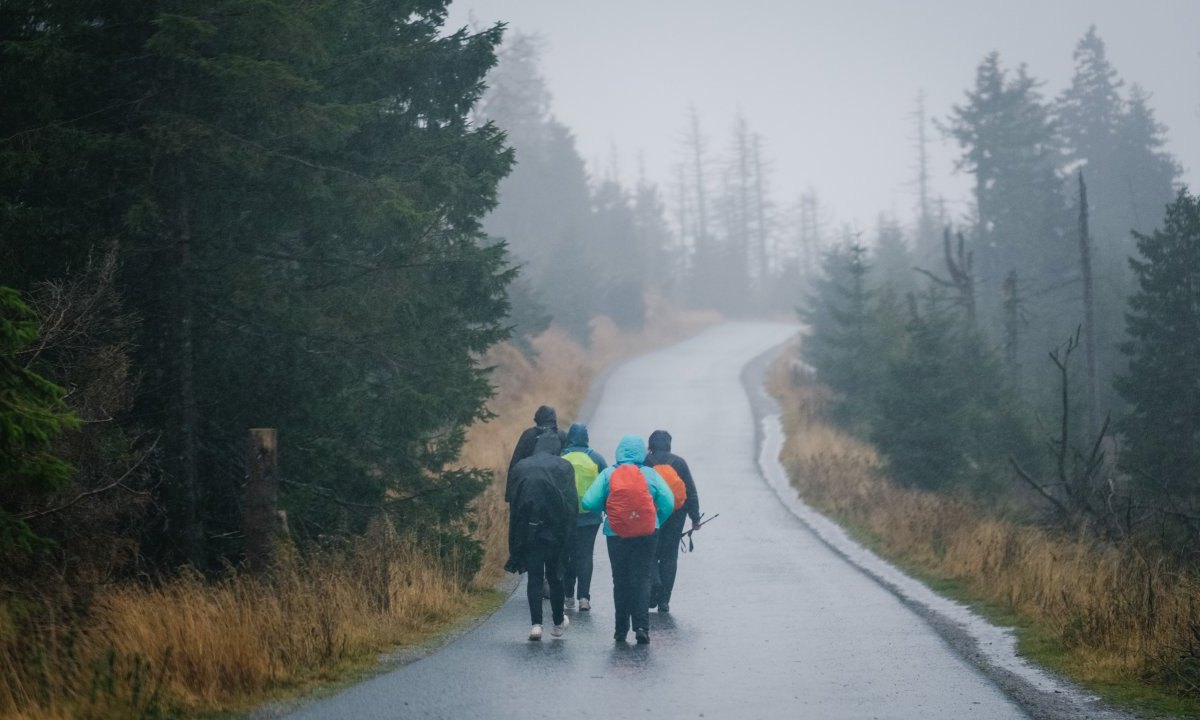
x=631 y=560
x=579 y=565
x=542 y=562
x=666 y=557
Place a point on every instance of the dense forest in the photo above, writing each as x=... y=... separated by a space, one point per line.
x=226 y=215
x=1041 y=351
x=219 y=216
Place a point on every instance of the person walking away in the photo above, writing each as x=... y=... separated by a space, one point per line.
x=635 y=501
x=545 y=421
x=675 y=471
x=588 y=465
x=541 y=525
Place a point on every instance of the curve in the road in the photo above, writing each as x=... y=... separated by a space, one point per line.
x=767 y=620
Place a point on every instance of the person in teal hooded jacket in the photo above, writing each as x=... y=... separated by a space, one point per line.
x=631 y=557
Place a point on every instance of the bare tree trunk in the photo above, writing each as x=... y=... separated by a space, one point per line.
x=742 y=143
x=697 y=143
x=1012 y=319
x=1089 y=312
x=761 y=208
x=926 y=241
x=259 y=517
x=187 y=514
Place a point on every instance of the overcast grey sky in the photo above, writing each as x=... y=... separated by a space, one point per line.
x=830 y=85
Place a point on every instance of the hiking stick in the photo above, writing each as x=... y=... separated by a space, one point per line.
x=687 y=536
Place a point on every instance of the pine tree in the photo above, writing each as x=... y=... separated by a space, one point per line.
x=1117 y=145
x=32 y=414
x=1009 y=144
x=893 y=257
x=1162 y=385
x=946 y=418
x=919 y=424
x=297 y=192
x=1089 y=111
x=1148 y=173
x=842 y=343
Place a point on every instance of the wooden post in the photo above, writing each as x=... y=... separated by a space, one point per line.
x=259 y=517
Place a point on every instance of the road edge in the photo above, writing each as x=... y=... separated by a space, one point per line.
x=1075 y=703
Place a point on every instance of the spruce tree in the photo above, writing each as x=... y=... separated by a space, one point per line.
x=1010 y=145
x=842 y=343
x=32 y=414
x=1162 y=385
x=297 y=193
x=893 y=263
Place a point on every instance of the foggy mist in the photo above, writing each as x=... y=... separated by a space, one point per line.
x=830 y=86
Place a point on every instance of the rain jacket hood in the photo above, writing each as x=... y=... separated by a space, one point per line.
x=547 y=445
x=660 y=441
x=577 y=436
x=631 y=449
x=545 y=417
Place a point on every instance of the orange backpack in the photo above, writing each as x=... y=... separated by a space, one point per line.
x=630 y=508
x=678 y=489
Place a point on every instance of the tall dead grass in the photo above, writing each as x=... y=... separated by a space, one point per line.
x=191 y=644
x=1120 y=612
x=143 y=650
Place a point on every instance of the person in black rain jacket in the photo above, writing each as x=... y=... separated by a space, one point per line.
x=667 y=560
x=545 y=422
x=541 y=527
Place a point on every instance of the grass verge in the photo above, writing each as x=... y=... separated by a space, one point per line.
x=187 y=646
x=1118 y=618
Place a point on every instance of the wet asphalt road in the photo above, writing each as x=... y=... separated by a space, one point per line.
x=766 y=621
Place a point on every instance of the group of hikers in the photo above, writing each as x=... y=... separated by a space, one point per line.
x=560 y=492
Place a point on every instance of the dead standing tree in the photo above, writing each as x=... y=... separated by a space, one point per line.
x=959 y=264
x=1073 y=493
x=1089 y=322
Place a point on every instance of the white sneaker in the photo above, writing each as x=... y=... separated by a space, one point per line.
x=558 y=630
x=584 y=605
x=569 y=603
x=535 y=633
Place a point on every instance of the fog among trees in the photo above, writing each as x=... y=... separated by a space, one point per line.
x=322 y=218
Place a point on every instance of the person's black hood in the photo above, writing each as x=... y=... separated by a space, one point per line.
x=660 y=441
x=545 y=417
x=548 y=444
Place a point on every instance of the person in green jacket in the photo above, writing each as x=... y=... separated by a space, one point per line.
x=631 y=556
x=588 y=465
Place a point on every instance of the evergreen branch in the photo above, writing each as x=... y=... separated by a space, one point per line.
x=282 y=155
x=70 y=121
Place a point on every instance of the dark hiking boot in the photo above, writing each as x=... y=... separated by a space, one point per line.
x=664 y=607
x=642 y=635
x=620 y=635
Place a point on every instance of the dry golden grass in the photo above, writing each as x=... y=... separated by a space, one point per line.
x=131 y=650
x=1121 y=614
x=190 y=644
